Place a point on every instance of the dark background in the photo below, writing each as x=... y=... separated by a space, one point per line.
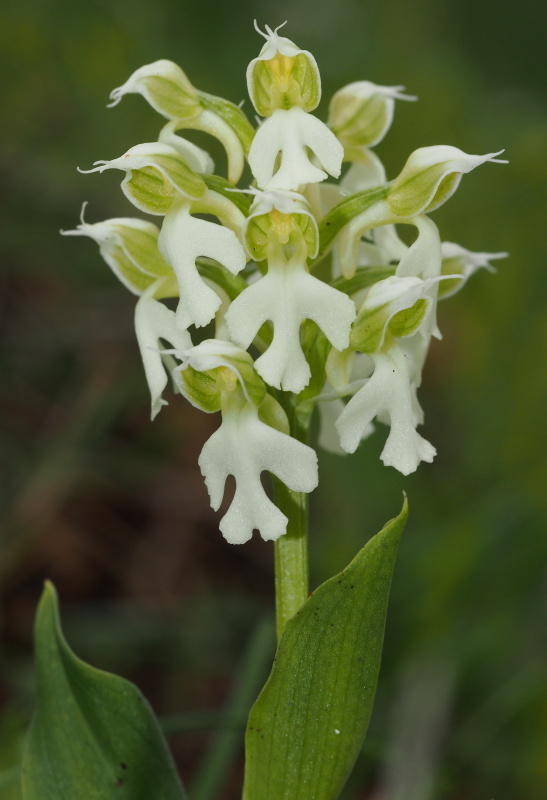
x=113 y=508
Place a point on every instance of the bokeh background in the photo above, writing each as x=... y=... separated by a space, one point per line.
x=113 y=508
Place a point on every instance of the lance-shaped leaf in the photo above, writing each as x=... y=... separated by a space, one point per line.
x=93 y=734
x=308 y=724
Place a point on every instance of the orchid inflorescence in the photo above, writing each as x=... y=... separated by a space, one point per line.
x=313 y=295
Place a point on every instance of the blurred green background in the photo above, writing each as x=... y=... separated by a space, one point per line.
x=113 y=509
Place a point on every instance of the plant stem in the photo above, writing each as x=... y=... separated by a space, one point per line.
x=291 y=550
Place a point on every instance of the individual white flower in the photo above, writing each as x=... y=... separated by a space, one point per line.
x=289 y=134
x=393 y=307
x=154 y=324
x=430 y=176
x=287 y=295
x=182 y=240
x=165 y=86
x=244 y=447
x=389 y=394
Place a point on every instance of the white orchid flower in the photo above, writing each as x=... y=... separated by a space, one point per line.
x=156 y=174
x=244 y=447
x=287 y=295
x=387 y=394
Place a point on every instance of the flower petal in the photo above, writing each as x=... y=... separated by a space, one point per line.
x=244 y=447
x=290 y=133
x=387 y=392
x=154 y=322
x=182 y=240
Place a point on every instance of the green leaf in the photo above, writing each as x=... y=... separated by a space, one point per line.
x=93 y=736
x=363 y=278
x=308 y=724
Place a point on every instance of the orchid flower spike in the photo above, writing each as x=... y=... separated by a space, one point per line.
x=311 y=275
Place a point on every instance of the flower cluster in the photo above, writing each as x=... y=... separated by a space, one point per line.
x=312 y=296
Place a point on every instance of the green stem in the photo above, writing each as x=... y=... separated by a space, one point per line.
x=291 y=550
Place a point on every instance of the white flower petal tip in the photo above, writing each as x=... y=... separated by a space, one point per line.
x=361 y=113
x=244 y=447
x=387 y=394
x=291 y=132
x=274 y=43
x=474 y=260
x=155 y=323
x=463 y=264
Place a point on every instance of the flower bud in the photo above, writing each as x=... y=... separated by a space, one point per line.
x=361 y=113
x=283 y=76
